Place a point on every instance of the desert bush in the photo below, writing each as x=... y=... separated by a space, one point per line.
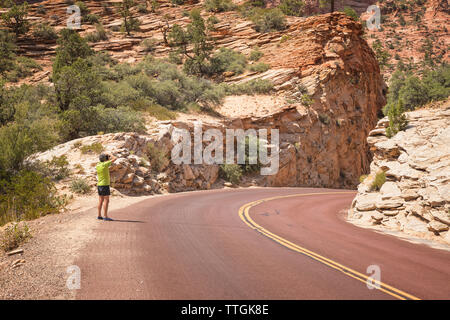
x=121 y=119
x=219 y=5
x=259 y=67
x=231 y=172
x=255 y=55
x=397 y=119
x=84 y=10
x=80 y=186
x=258 y=86
x=157 y=157
x=98 y=35
x=27 y=195
x=349 y=11
x=292 y=7
x=45 y=31
x=14 y=235
x=19 y=140
x=252 y=163
x=149 y=44
x=379 y=180
x=56 y=169
x=267 y=20
x=226 y=59
x=95 y=147
x=91 y=18
x=324 y=118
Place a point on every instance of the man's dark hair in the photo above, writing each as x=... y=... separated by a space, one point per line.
x=104 y=157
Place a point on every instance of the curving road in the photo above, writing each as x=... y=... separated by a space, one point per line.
x=221 y=244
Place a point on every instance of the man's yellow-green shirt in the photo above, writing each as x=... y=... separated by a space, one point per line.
x=103 y=173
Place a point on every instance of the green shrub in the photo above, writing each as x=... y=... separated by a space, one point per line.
x=19 y=140
x=95 y=147
x=219 y=5
x=397 y=119
x=7 y=49
x=252 y=163
x=267 y=20
x=257 y=86
x=306 y=99
x=80 y=186
x=380 y=179
x=91 y=18
x=231 y=172
x=324 y=118
x=226 y=59
x=255 y=55
x=14 y=235
x=149 y=44
x=259 y=67
x=349 y=11
x=98 y=35
x=27 y=195
x=292 y=7
x=84 y=10
x=362 y=178
x=157 y=157
x=57 y=168
x=45 y=31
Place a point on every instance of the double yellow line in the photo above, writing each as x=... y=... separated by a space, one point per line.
x=245 y=216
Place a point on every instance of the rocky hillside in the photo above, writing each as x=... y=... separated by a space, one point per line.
x=334 y=93
x=415 y=198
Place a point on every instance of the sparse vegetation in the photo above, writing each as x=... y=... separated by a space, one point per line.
x=231 y=172
x=292 y=7
x=219 y=5
x=80 y=186
x=259 y=67
x=15 y=18
x=378 y=181
x=14 y=235
x=397 y=119
x=45 y=31
x=157 y=157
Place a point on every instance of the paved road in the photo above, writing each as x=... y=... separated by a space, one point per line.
x=219 y=245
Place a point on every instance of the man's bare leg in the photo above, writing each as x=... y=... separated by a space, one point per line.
x=105 y=206
x=100 y=204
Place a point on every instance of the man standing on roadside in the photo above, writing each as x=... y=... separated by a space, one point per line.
x=103 y=184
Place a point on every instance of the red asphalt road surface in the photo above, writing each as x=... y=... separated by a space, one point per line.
x=195 y=246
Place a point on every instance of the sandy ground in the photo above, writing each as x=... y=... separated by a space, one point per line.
x=55 y=243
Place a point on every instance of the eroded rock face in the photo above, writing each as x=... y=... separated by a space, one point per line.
x=336 y=91
x=416 y=195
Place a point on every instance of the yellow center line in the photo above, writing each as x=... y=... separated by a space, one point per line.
x=245 y=216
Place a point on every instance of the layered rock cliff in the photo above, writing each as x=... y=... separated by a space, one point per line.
x=334 y=92
x=415 y=198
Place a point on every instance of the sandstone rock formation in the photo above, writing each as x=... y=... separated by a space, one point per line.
x=416 y=195
x=334 y=91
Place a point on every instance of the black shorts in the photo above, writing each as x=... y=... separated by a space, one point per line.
x=103 y=190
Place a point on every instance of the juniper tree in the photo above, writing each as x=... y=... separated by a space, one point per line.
x=397 y=119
